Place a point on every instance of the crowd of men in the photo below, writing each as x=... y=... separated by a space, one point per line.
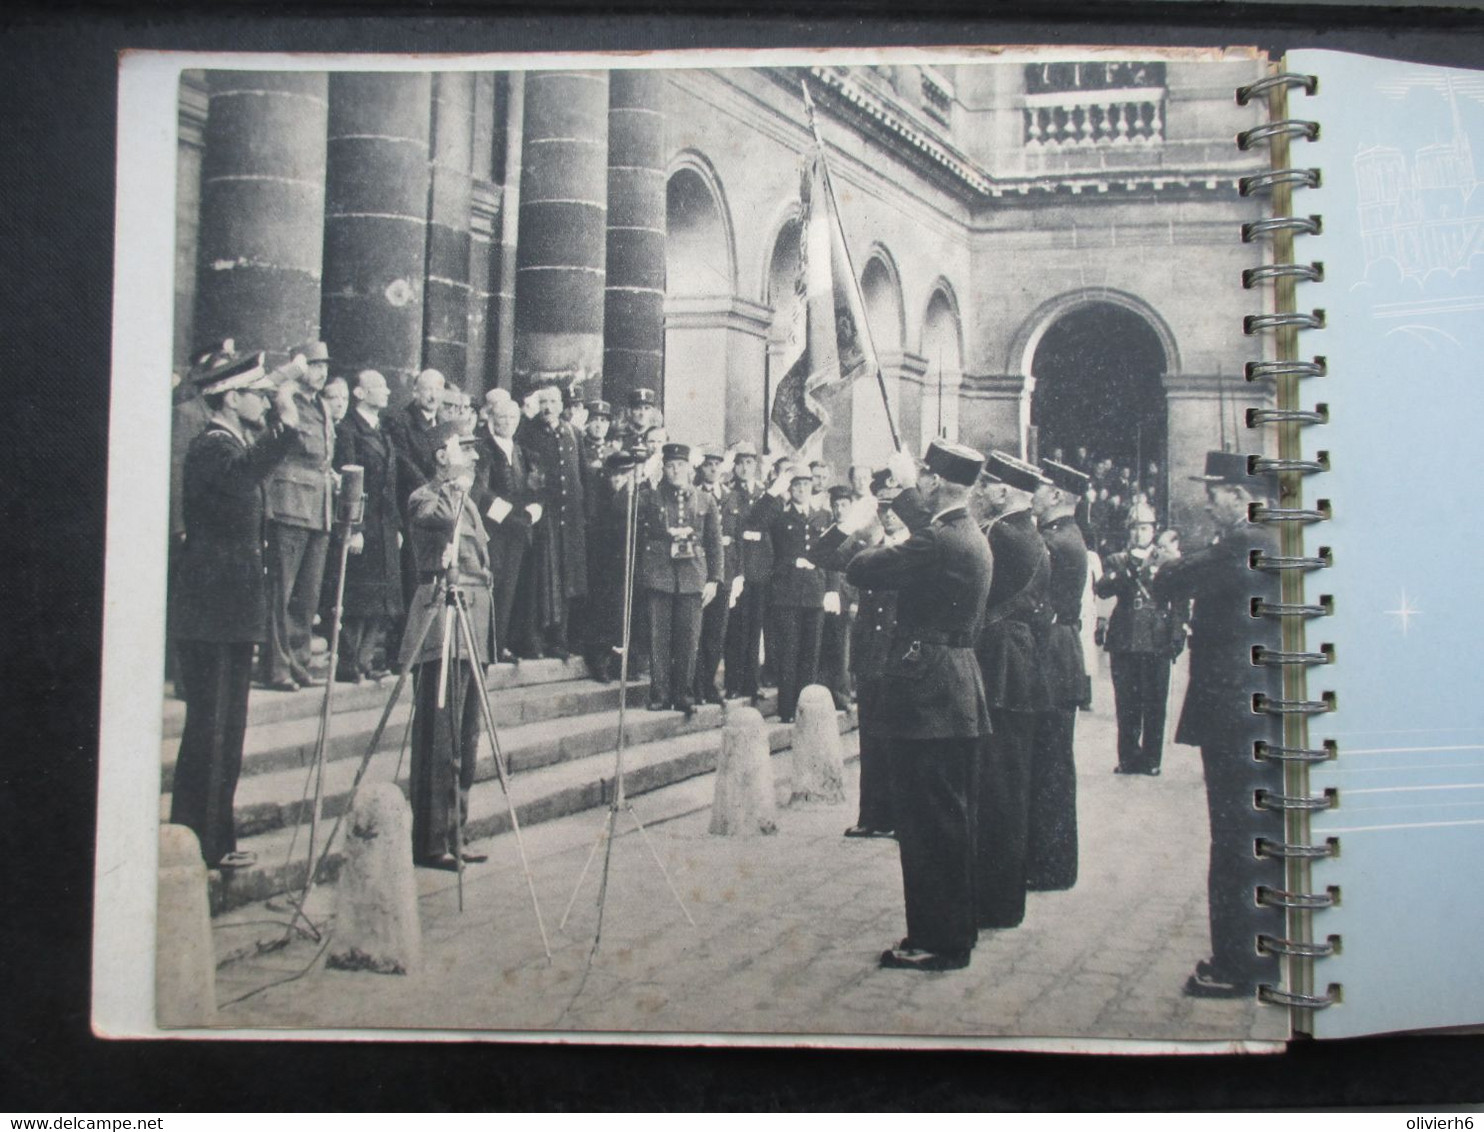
x=944 y=596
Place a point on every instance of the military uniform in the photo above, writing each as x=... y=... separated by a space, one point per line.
x=437 y=750
x=755 y=562
x=1016 y=618
x=672 y=571
x=218 y=610
x=1141 y=646
x=796 y=590
x=714 y=617
x=1217 y=717
x=934 y=710
x=559 y=561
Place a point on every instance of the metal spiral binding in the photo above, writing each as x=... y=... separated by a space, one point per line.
x=1280 y=134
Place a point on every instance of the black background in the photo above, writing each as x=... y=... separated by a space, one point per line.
x=57 y=156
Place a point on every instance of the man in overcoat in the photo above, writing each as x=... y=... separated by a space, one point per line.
x=933 y=705
x=219 y=598
x=796 y=586
x=679 y=572
x=837 y=616
x=554 y=478
x=452 y=550
x=1016 y=617
x=373 y=568
x=1218 y=717
x=717 y=613
x=754 y=565
x=607 y=547
x=1051 y=853
x=301 y=498
x=502 y=493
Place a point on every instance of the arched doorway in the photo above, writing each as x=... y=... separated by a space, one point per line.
x=1098 y=389
x=787 y=326
x=943 y=350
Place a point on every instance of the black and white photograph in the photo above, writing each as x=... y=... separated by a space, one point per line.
x=712 y=547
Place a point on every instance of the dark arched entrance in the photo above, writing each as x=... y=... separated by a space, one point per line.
x=1098 y=372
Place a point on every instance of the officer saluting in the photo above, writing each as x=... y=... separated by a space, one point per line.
x=933 y=707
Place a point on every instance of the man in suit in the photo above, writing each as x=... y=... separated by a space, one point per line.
x=452 y=549
x=554 y=477
x=1016 y=617
x=301 y=498
x=218 y=598
x=834 y=629
x=501 y=493
x=411 y=427
x=679 y=572
x=1051 y=853
x=1142 y=639
x=749 y=586
x=933 y=705
x=717 y=613
x=1218 y=717
x=373 y=569
x=796 y=586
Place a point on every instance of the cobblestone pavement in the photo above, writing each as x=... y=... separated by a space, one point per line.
x=787 y=931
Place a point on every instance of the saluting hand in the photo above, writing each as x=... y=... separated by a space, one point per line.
x=903 y=468
x=283 y=401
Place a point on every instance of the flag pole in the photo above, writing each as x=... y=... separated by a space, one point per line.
x=829 y=188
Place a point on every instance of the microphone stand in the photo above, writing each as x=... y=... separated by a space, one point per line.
x=620 y=799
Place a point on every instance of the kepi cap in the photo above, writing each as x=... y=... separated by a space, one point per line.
x=674 y=451
x=799 y=472
x=840 y=491
x=713 y=452
x=617 y=463
x=956 y=463
x=599 y=409
x=1064 y=476
x=1225 y=467
x=642 y=399
x=212 y=356
x=744 y=448
x=237 y=372
x=881 y=481
x=312 y=351
x=1013 y=471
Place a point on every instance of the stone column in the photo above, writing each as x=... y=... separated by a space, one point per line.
x=634 y=298
x=501 y=351
x=484 y=218
x=990 y=412
x=446 y=298
x=562 y=244
x=262 y=210
x=376 y=229
x=715 y=351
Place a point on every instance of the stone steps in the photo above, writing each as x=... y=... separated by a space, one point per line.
x=544 y=793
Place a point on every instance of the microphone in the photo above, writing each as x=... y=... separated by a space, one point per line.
x=351 y=507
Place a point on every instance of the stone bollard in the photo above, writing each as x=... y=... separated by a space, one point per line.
x=744 y=802
x=376 y=921
x=819 y=766
x=185 y=960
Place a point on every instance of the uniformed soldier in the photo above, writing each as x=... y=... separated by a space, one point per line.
x=933 y=703
x=873 y=626
x=834 y=630
x=451 y=548
x=680 y=570
x=1143 y=638
x=641 y=413
x=715 y=616
x=219 y=596
x=796 y=587
x=1016 y=618
x=749 y=592
x=1218 y=718
x=595 y=449
x=1051 y=855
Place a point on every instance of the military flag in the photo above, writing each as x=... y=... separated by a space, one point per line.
x=832 y=340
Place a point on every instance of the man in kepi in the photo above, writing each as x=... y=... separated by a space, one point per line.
x=451 y=548
x=219 y=601
x=933 y=703
x=1218 y=718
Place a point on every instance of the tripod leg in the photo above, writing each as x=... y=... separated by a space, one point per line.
x=603 y=883
x=452 y=673
x=488 y=713
x=582 y=876
x=644 y=833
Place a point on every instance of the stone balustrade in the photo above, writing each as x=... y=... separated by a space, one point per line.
x=1093 y=118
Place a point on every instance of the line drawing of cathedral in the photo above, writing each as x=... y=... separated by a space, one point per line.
x=1048 y=252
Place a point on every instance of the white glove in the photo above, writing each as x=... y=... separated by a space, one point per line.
x=499 y=510
x=737 y=584
x=903 y=468
x=535 y=511
x=708 y=593
x=779 y=488
x=832 y=601
x=357 y=543
x=859 y=515
x=579 y=416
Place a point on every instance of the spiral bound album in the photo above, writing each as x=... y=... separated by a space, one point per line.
x=952 y=548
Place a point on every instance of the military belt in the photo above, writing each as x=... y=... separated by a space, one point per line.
x=958 y=639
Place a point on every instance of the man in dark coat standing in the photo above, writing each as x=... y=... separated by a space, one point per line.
x=447 y=536
x=1051 y=854
x=679 y=572
x=554 y=462
x=301 y=498
x=749 y=592
x=502 y=494
x=934 y=706
x=717 y=613
x=219 y=599
x=834 y=626
x=1218 y=718
x=1142 y=639
x=607 y=547
x=1016 y=617
x=796 y=587
x=373 y=569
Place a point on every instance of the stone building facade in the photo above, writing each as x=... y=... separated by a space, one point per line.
x=1048 y=252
